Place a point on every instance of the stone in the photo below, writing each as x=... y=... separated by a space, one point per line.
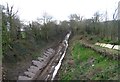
x=33 y=70
x=45 y=58
x=93 y=65
x=117 y=47
x=97 y=43
x=35 y=61
x=109 y=46
x=38 y=64
x=30 y=74
x=33 y=67
x=24 y=78
x=40 y=59
x=48 y=52
x=102 y=44
x=60 y=53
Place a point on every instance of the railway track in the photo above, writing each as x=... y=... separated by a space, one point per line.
x=47 y=66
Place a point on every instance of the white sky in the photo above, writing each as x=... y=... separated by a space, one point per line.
x=61 y=9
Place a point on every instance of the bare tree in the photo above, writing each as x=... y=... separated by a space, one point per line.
x=45 y=18
x=75 y=17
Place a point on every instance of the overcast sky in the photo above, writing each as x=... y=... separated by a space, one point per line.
x=61 y=9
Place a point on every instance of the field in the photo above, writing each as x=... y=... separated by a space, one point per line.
x=85 y=64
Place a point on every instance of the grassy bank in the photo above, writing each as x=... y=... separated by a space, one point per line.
x=13 y=69
x=85 y=64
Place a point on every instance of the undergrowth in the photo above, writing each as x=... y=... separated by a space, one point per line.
x=88 y=65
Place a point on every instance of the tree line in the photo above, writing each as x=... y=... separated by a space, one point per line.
x=20 y=39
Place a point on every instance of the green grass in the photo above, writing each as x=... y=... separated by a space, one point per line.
x=88 y=64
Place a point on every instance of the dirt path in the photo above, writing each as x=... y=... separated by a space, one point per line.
x=52 y=68
x=45 y=72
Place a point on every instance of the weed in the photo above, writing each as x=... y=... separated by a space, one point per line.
x=89 y=65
